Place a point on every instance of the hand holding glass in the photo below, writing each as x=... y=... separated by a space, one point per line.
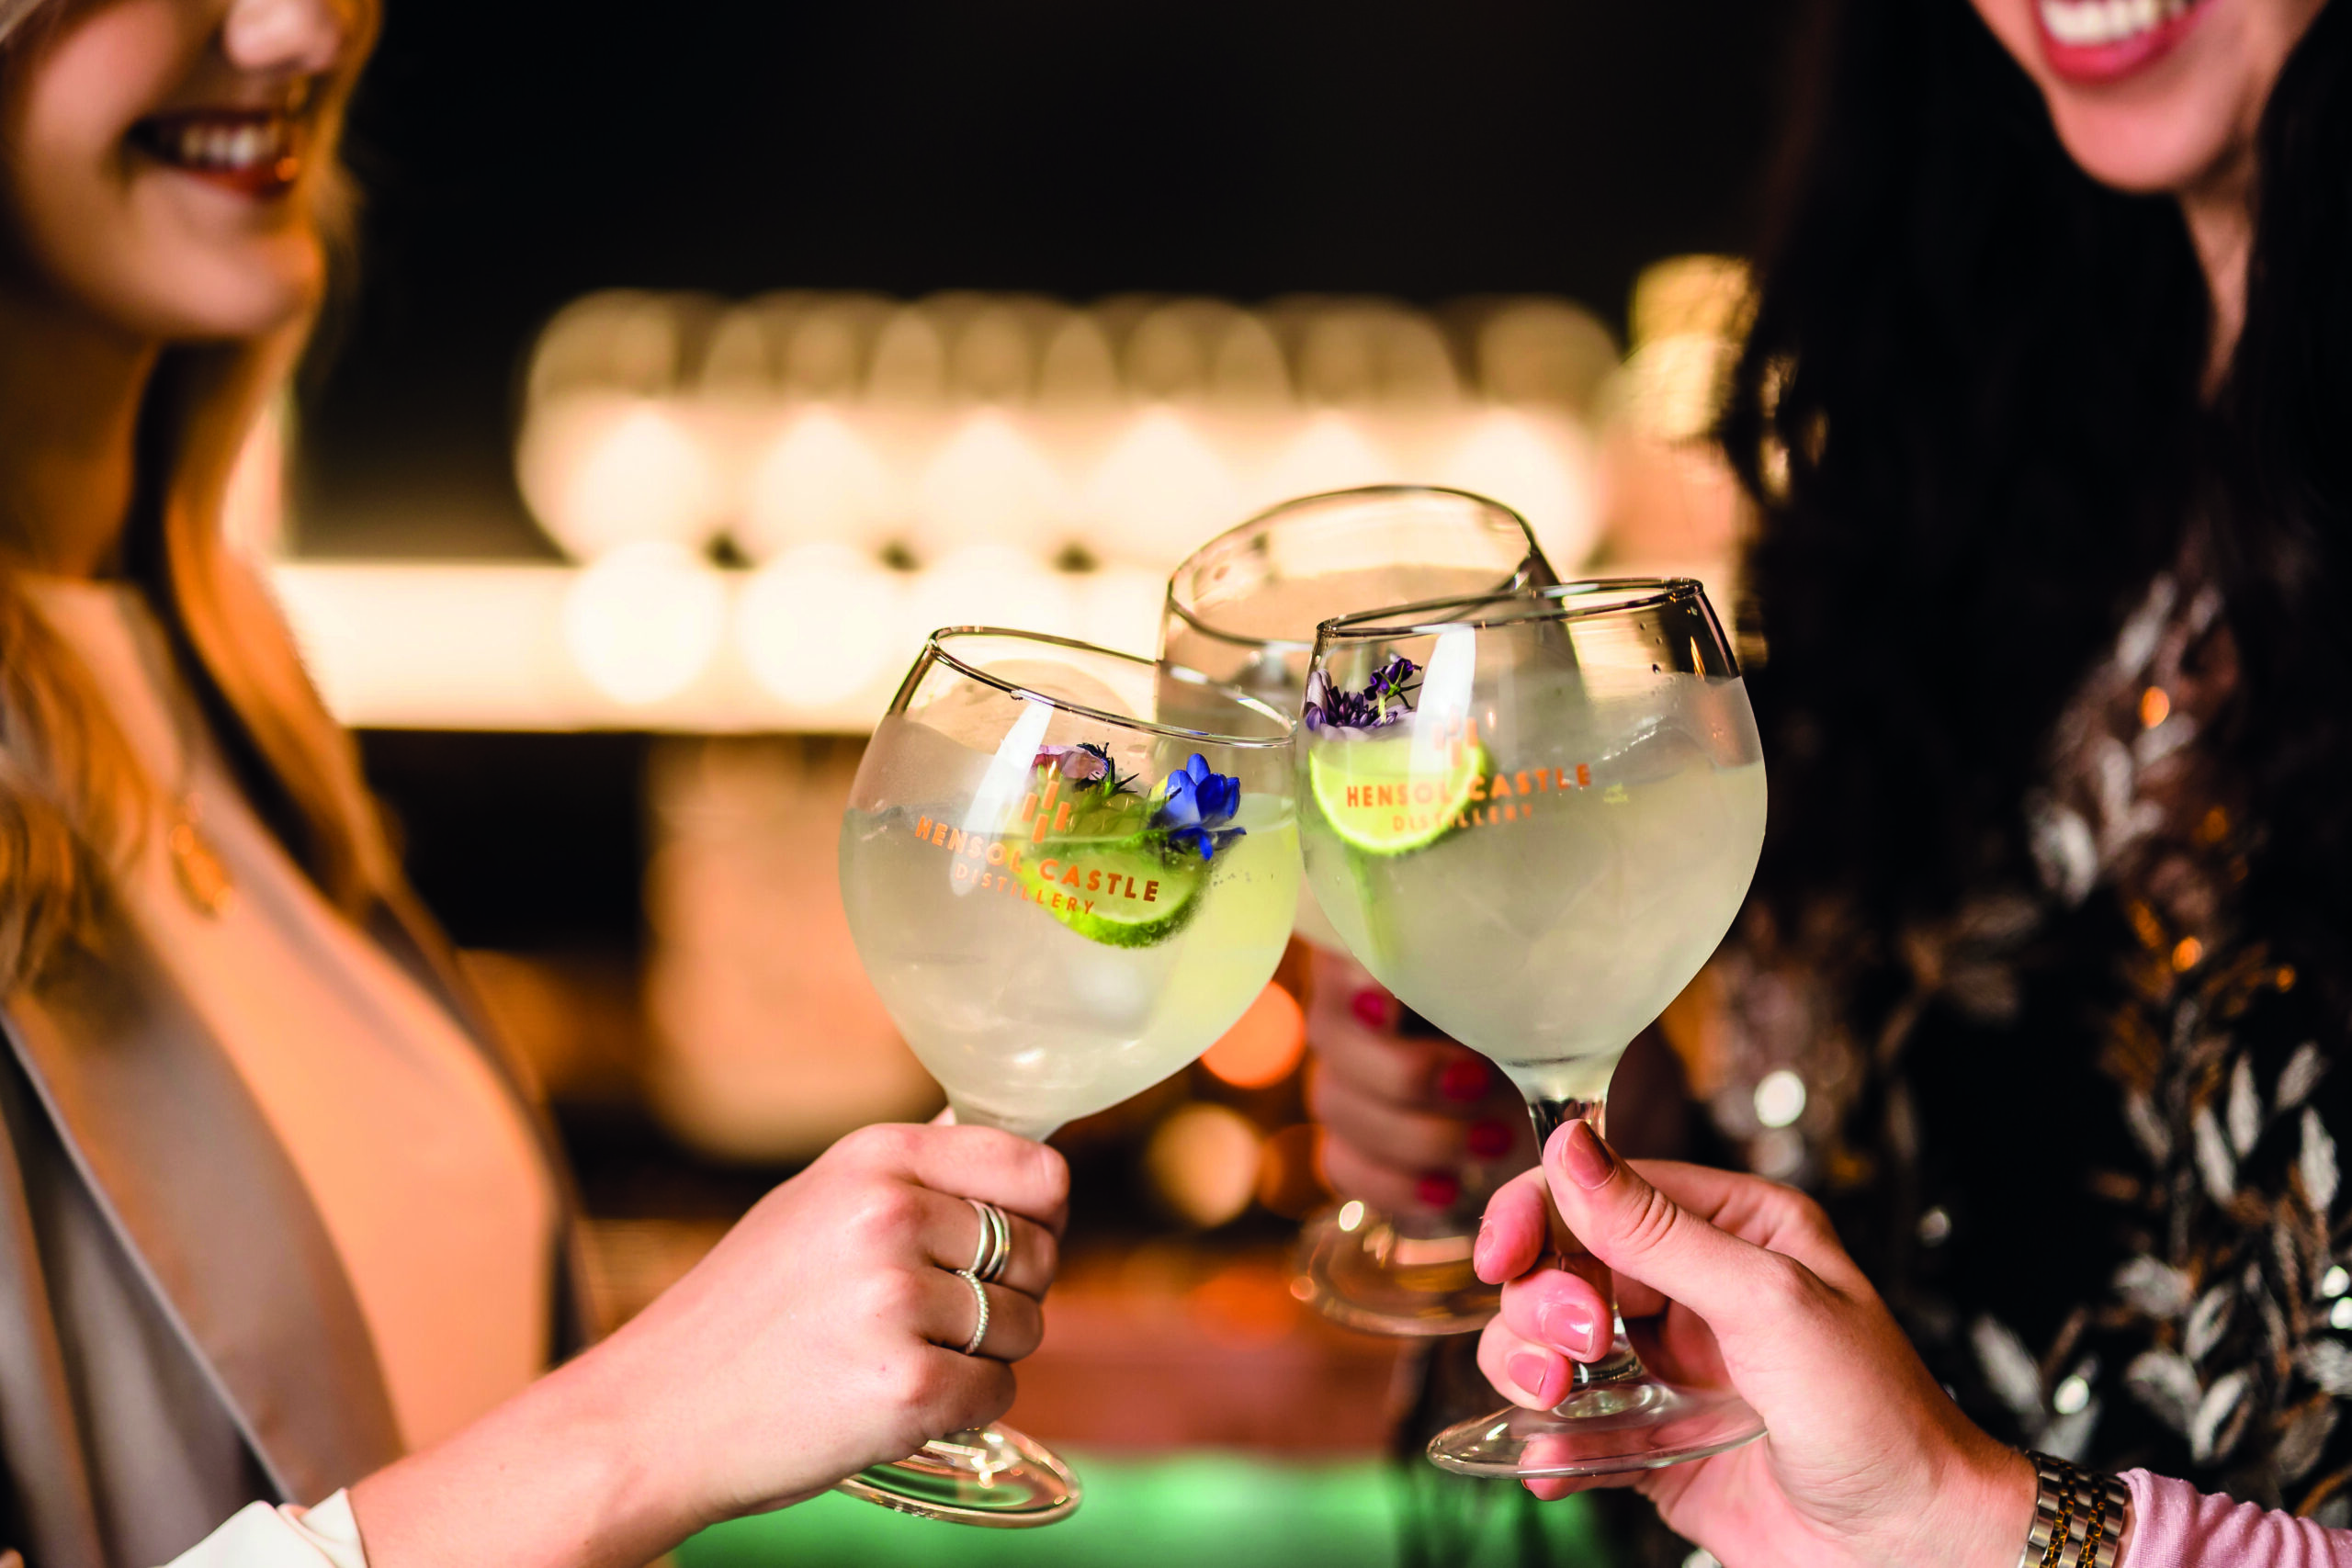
x=1061 y=901
x=1532 y=817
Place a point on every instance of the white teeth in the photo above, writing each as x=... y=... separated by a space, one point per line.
x=2090 y=23
x=235 y=147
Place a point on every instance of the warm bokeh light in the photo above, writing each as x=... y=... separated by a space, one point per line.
x=1161 y=483
x=1671 y=503
x=991 y=585
x=1264 y=1047
x=886 y=468
x=644 y=620
x=1330 y=453
x=819 y=482
x=1545 y=463
x=1130 y=429
x=409 y=645
x=602 y=471
x=1202 y=1162
x=1119 y=607
x=818 y=625
x=987 y=485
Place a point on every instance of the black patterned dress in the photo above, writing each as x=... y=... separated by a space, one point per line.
x=2082 y=1131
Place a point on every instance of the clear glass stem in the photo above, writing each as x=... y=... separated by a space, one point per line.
x=1438 y=1225
x=1621 y=1364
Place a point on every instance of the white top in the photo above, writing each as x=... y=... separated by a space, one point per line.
x=258 y=1536
x=423 y=1168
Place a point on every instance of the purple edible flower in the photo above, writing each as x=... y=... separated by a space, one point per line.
x=1199 y=802
x=1385 y=700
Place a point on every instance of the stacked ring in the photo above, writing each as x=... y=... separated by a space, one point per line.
x=995 y=1250
x=980 y=1301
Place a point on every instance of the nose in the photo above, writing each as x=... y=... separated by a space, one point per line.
x=296 y=36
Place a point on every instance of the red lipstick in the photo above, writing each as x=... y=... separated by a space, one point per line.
x=2094 y=43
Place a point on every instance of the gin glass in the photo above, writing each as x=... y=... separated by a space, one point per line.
x=1062 y=900
x=1242 y=609
x=1533 y=816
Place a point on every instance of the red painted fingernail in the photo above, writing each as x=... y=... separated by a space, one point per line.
x=1465 y=1078
x=1587 y=1158
x=1487 y=1139
x=1373 y=1007
x=1437 y=1190
x=1530 y=1372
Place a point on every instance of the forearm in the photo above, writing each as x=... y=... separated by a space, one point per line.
x=558 y=1477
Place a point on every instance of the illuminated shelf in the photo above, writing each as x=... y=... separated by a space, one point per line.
x=890 y=467
x=655 y=642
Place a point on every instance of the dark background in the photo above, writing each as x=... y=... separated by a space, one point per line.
x=520 y=152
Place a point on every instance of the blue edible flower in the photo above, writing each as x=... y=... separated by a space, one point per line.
x=1199 y=804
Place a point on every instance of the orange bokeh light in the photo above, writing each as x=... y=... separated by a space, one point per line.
x=1265 y=1047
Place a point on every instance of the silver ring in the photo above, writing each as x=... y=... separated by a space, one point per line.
x=980 y=1300
x=995 y=1249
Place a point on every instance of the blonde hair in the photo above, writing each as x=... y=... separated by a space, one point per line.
x=74 y=801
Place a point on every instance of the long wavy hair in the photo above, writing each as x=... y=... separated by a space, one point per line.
x=1971 y=409
x=73 y=803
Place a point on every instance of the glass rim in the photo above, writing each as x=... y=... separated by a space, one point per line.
x=1256 y=519
x=1424 y=617
x=935 y=647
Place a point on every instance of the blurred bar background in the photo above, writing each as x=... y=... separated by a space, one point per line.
x=705 y=359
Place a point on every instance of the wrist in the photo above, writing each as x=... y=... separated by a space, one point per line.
x=1994 y=1502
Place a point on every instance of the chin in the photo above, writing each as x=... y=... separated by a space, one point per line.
x=2152 y=95
x=2151 y=153
x=213 y=298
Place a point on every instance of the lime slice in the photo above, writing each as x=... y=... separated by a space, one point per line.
x=1109 y=879
x=1374 y=799
x=1124 y=892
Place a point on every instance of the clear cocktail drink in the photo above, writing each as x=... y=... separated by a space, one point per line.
x=1044 y=978
x=1541 y=886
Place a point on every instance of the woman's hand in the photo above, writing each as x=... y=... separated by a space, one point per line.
x=822 y=1335
x=1404 y=1118
x=1866 y=1461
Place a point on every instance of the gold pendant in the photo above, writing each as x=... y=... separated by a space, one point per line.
x=197 y=866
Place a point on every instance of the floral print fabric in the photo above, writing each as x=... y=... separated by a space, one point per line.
x=2081 y=1129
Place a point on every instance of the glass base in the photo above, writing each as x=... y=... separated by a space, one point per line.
x=1358 y=1269
x=996 y=1478
x=1604 y=1429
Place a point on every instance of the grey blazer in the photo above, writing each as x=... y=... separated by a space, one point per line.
x=177 y=1336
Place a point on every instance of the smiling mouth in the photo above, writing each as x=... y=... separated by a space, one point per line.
x=253 y=151
x=2098 y=41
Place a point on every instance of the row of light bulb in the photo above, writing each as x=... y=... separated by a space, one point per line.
x=604 y=470
x=1126 y=432
x=821 y=625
